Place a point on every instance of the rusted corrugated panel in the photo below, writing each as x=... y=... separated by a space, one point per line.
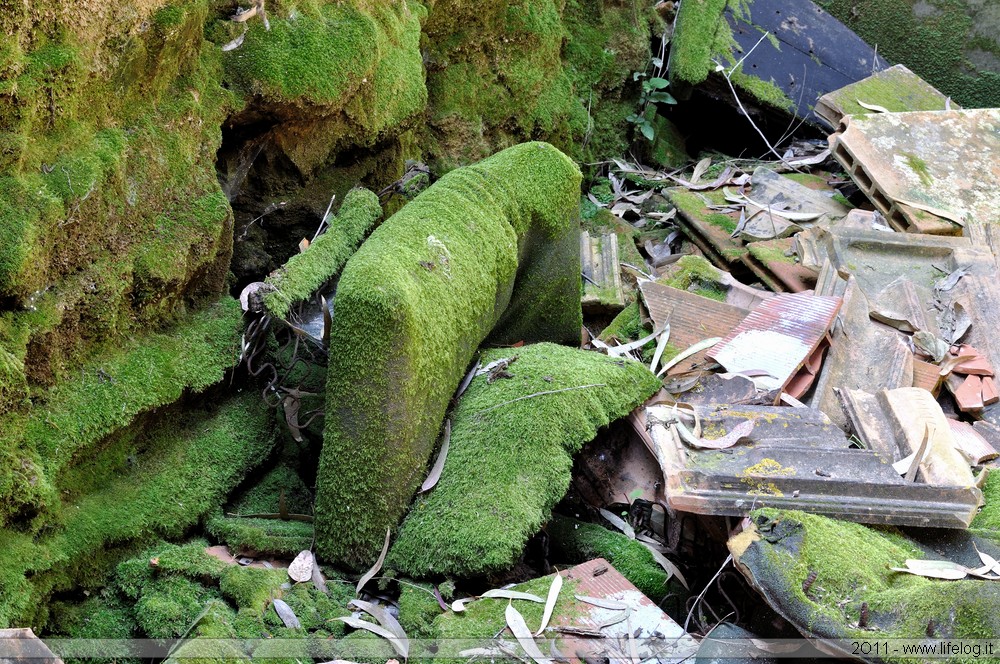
x=928 y=171
x=777 y=337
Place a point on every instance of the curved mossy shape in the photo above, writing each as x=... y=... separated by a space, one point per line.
x=510 y=458
x=306 y=272
x=413 y=305
x=818 y=572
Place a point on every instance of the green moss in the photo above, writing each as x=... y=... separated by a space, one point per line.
x=668 y=149
x=700 y=34
x=851 y=563
x=252 y=587
x=626 y=326
x=502 y=457
x=182 y=470
x=150 y=371
x=947 y=46
x=417 y=609
x=265 y=496
x=988 y=519
x=697 y=272
x=919 y=166
x=306 y=272
x=769 y=254
x=262 y=536
x=577 y=542
x=170 y=605
x=418 y=298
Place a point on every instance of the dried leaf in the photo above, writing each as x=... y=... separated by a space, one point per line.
x=435 y=474
x=515 y=621
x=473 y=372
x=930 y=345
x=235 y=44
x=244 y=15
x=700 y=169
x=603 y=603
x=358 y=623
x=385 y=619
x=775 y=648
x=327 y=321
x=738 y=432
x=317 y=577
x=301 y=568
x=991 y=563
x=618 y=523
x=718 y=182
x=618 y=351
x=667 y=566
x=950 y=362
x=459 y=604
x=370 y=574
x=934 y=569
x=593 y=199
x=691 y=350
x=286 y=614
x=511 y=594
x=550 y=601
x=661 y=345
x=873 y=107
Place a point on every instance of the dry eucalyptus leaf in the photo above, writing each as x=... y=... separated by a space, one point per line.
x=515 y=621
x=435 y=474
x=934 y=569
x=603 y=603
x=370 y=574
x=301 y=568
x=358 y=623
x=550 y=601
x=286 y=614
x=618 y=523
x=511 y=594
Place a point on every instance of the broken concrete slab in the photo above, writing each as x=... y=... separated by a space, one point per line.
x=21 y=645
x=927 y=172
x=795 y=458
x=511 y=455
x=863 y=355
x=896 y=89
x=490 y=249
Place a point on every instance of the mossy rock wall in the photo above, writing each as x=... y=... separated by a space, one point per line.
x=953 y=44
x=413 y=305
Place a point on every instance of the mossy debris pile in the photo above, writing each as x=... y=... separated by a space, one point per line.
x=490 y=250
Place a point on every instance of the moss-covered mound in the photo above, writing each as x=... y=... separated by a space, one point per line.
x=337 y=74
x=818 y=572
x=304 y=273
x=155 y=479
x=67 y=421
x=511 y=456
x=490 y=245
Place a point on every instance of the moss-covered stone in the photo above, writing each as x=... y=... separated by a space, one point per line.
x=261 y=536
x=182 y=469
x=510 y=461
x=850 y=564
x=489 y=247
x=65 y=422
x=577 y=542
x=304 y=273
x=418 y=607
x=696 y=274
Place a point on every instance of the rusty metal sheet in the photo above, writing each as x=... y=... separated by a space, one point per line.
x=927 y=171
x=778 y=337
x=647 y=632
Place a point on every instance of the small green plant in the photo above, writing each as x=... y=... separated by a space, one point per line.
x=653 y=92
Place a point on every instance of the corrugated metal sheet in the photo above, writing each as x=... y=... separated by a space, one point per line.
x=778 y=337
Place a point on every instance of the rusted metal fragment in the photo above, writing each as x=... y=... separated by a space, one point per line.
x=602 y=282
x=863 y=355
x=777 y=337
x=929 y=172
x=640 y=630
x=692 y=318
x=21 y=645
x=897 y=89
x=813 y=469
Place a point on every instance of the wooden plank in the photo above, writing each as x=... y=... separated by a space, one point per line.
x=897 y=89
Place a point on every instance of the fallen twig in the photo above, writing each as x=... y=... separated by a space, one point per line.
x=538 y=394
